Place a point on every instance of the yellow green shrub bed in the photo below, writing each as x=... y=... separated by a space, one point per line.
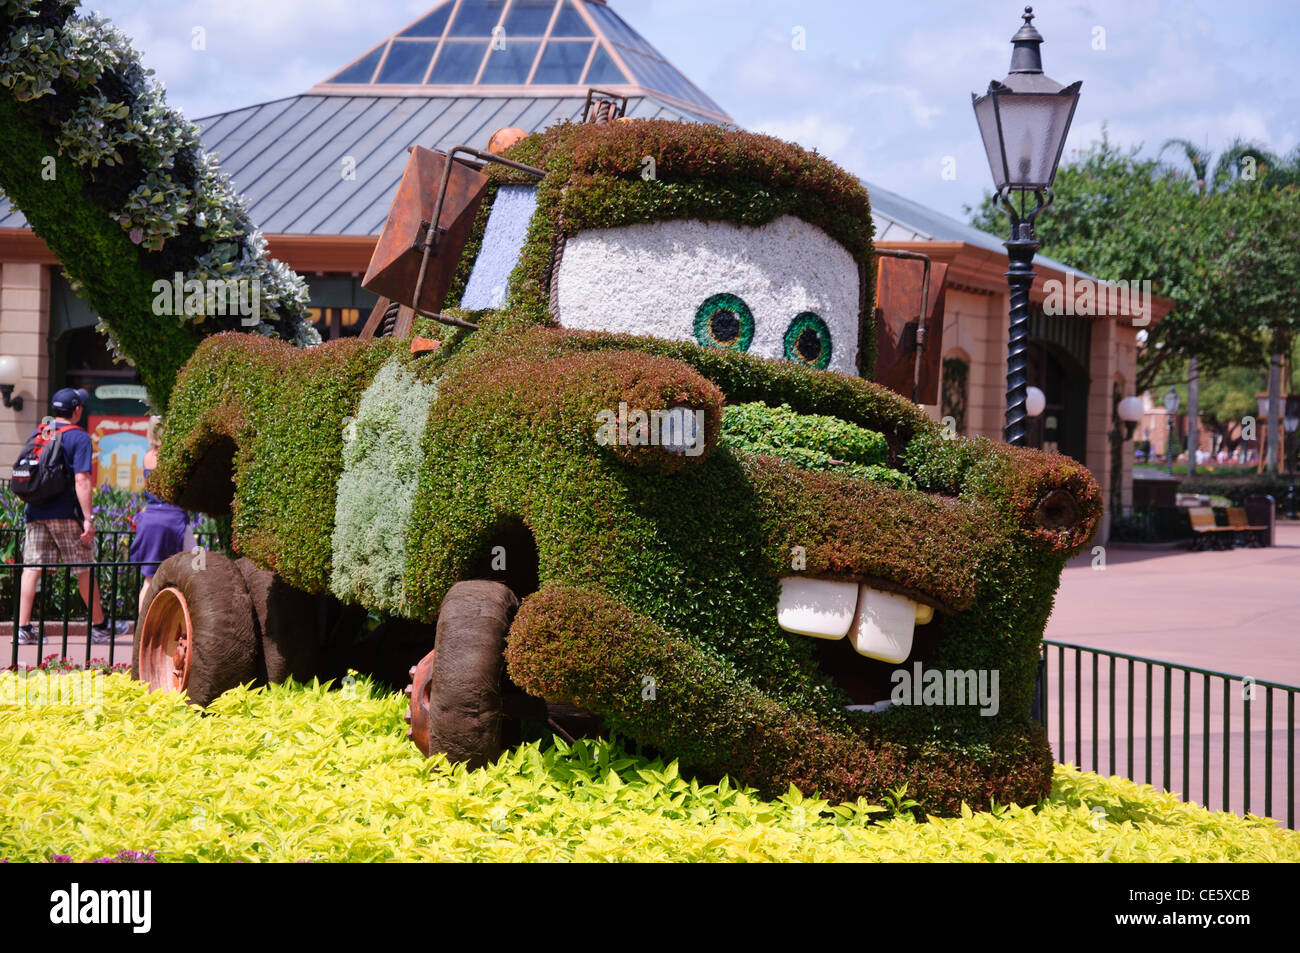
x=295 y=773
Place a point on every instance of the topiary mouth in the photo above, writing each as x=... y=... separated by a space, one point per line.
x=811 y=442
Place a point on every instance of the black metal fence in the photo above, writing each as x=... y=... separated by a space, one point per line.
x=60 y=618
x=1225 y=741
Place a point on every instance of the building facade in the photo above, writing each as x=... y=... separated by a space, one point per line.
x=320 y=169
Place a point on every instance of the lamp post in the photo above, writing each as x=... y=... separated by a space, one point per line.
x=1291 y=423
x=1023 y=121
x=1171 y=405
x=1261 y=429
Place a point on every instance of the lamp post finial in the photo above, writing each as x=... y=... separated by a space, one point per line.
x=1026 y=57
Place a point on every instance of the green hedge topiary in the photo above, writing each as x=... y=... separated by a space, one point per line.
x=271 y=418
x=377 y=489
x=691 y=547
x=810 y=441
x=119 y=188
x=667 y=565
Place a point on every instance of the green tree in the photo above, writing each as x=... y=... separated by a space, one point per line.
x=1226 y=398
x=1225 y=252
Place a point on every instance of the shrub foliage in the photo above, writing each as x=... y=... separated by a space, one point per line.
x=294 y=773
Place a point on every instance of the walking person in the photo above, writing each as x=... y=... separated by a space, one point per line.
x=61 y=529
x=161 y=529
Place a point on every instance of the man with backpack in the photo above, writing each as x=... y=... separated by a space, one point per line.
x=53 y=476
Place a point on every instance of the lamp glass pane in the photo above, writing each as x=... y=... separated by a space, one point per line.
x=1033 y=128
x=988 y=123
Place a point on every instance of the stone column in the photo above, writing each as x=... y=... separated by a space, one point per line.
x=24 y=334
x=1104 y=365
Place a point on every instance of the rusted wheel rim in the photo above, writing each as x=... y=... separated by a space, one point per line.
x=419 y=692
x=167 y=642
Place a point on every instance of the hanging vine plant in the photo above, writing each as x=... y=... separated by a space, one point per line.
x=118 y=186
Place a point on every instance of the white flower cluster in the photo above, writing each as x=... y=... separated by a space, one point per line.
x=90 y=52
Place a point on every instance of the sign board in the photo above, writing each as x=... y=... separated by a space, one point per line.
x=120 y=444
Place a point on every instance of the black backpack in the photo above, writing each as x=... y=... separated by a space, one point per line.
x=41 y=473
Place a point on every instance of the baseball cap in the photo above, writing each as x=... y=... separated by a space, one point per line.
x=66 y=400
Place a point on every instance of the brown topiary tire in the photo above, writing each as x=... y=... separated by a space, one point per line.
x=465 y=704
x=196 y=633
x=286 y=623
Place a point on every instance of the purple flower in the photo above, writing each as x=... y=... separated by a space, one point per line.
x=137 y=235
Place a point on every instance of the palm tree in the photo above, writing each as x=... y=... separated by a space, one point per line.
x=1242 y=161
x=1231 y=166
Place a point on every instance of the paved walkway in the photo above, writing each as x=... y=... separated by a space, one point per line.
x=1236 y=612
x=75 y=648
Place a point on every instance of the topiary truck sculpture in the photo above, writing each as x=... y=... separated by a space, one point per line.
x=639 y=475
x=649 y=485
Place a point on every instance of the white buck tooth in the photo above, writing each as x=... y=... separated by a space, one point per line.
x=882 y=627
x=821 y=608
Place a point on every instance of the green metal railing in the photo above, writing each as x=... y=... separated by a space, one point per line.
x=1163 y=745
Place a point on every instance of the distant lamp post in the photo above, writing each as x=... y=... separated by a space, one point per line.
x=1171 y=405
x=1023 y=121
x=1261 y=430
x=1291 y=423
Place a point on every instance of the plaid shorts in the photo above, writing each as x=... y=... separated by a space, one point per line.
x=55 y=541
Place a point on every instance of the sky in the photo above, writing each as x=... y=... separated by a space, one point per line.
x=881 y=88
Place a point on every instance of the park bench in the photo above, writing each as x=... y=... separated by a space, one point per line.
x=1251 y=535
x=1206 y=531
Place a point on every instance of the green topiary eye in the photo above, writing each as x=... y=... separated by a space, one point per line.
x=724 y=321
x=808 y=341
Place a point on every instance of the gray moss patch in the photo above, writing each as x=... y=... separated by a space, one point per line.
x=381 y=461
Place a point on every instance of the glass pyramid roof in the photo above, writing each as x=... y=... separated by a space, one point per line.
x=519 y=47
